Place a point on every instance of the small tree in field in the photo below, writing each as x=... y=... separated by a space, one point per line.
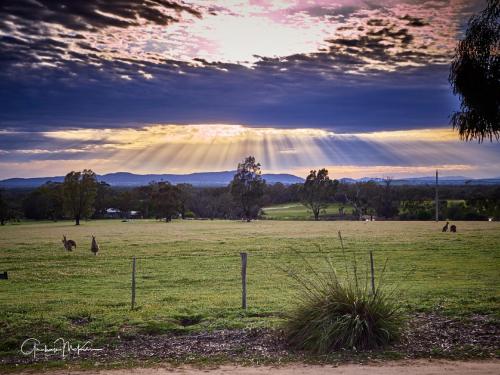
x=80 y=189
x=247 y=187
x=317 y=190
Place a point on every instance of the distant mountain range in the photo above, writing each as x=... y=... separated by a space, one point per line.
x=131 y=179
x=223 y=178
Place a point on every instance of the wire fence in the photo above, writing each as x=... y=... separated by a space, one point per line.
x=221 y=274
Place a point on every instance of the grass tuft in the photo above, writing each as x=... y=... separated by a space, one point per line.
x=333 y=313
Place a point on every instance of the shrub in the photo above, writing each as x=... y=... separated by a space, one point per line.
x=333 y=314
x=189 y=215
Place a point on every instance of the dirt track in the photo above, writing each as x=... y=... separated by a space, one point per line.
x=413 y=367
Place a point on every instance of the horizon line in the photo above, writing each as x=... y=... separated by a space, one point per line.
x=267 y=173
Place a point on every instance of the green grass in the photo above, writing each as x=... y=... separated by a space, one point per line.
x=188 y=273
x=297 y=211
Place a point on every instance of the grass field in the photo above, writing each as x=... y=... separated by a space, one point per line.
x=297 y=211
x=188 y=272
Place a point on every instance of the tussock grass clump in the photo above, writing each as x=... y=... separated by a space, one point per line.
x=333 y=314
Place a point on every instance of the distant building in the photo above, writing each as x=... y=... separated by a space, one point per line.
x=367 y=218
x=113 y=213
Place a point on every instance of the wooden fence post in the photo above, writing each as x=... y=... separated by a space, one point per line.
x=133 y=283
x=243 y=280
x=372 y=272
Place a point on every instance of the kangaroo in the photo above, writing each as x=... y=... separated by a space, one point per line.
x=453 y=229
x=445 y=228
x=94 y=247
x=68 y=244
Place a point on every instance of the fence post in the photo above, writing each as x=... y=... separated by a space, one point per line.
x=133 y=283
x=243 y=280
x=372 y=272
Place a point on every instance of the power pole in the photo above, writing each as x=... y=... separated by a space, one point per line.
x=437 y=197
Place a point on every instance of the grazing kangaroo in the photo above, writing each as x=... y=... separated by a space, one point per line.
x=68 y=244
x=445 y=228
x=453 y=229
x=94 y=247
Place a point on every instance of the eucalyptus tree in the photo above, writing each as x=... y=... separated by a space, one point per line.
x=247 y=187
x=79 y=191
x=317 y=191
x=475 y=77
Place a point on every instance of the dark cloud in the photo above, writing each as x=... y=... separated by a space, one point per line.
x=414 y=21
x=378 y=77
x=262 y=96
x=377 y=22
x=92 y=14
x=38 y=34
x=36 y=140
x=321 y=11
x=31 y=40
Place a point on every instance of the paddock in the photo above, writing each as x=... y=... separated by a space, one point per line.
x=189 y=272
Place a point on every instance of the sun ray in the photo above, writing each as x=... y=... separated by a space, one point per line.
x=162 y=148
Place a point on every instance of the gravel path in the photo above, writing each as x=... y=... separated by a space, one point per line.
x=412 y=367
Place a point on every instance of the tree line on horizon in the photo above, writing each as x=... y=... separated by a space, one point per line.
x=81 y=196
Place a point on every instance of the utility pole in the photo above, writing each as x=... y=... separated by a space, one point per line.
x=437 y=197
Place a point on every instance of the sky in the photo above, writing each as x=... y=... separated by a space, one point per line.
x=165 y=86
